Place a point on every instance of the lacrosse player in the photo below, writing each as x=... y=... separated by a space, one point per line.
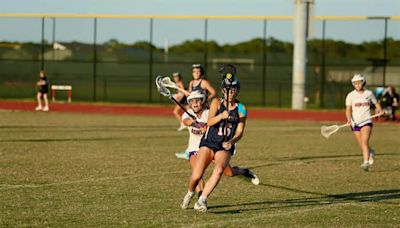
x=226 y=116
x=200 y=84
x=390 y=102
x=197 y=128
x=358 y=104
x=43 y=85
x=180 y=96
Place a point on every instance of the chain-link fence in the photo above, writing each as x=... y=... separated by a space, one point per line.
x=116 y=59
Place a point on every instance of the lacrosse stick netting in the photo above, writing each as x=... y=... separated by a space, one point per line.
x=327 y=131
x=166 y=82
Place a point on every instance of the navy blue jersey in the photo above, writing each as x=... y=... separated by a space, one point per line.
x=198 y=87
x=214 y=137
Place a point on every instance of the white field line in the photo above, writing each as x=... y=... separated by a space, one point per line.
x=11 y=186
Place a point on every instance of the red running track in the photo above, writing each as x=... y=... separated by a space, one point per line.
x=111 y=109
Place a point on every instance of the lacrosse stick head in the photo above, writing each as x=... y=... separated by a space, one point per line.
x=161 y=88
x=327 y=131
x=166 y=82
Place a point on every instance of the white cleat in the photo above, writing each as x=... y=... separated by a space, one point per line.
x=365 y=166
x=38 y=108
x=250 y=174
x=46 y=109
x=182 y=127
x=371 y=156
x=200 y=206
x=255 y=180
x=186 y=200
x=183 y=155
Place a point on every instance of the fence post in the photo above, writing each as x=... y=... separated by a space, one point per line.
x=280 y=95
x=105 y=90
x=323 y=78
x=205 y=44
x=151 y=60
x=42 y=47
x=385 y=52
x=264 y=63
x=94 y=58
x=54 y=37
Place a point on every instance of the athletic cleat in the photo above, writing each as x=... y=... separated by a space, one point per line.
x=38 y=108
x=200 y=206
x=254 y=179
x=371 y=156
x=182 y=127
x=183 y=155
x=46 y=109
x=365 y=167
x=186 y=200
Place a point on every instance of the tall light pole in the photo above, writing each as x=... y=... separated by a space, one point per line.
x=301 y=26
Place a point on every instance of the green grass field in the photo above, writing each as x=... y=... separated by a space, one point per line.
x=80 y=170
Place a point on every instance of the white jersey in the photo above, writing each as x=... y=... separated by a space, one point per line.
x=360 y=105
x=195 y=134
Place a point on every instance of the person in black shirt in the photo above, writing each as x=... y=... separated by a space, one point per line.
x=390 y=102
x=43 y=90
x=201 y=84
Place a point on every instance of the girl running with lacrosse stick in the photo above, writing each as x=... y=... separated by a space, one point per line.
x=180 y=96
x=358 y=104
x=226 y=113
x=197 y=128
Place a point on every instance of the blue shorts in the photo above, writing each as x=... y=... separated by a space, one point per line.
x=215 y=147
x=357 y=128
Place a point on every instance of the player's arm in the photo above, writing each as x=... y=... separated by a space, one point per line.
x=187 y=121
x=181 y=87
x=207 y=86
x=213 y=118
x=239 y=130
x=348 y=108
x=41 y=82
x=190 y=86
x=348 y=114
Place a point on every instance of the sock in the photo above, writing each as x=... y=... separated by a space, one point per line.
x=202 y=198
x=366 y=162
x=190 y=193
x=247 y=173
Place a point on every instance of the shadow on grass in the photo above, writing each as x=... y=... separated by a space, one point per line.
x=322 y=199
x=278 y=161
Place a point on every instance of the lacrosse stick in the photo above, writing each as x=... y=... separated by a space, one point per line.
x=327 y=131
x=165 y=92
x=166 y=82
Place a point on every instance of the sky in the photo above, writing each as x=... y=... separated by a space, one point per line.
x=175 y=31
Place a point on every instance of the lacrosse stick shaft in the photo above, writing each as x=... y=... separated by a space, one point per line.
x=226 y=120
x=371 y=117
x=181 y=106
x=183 y=91
x=166 y=82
